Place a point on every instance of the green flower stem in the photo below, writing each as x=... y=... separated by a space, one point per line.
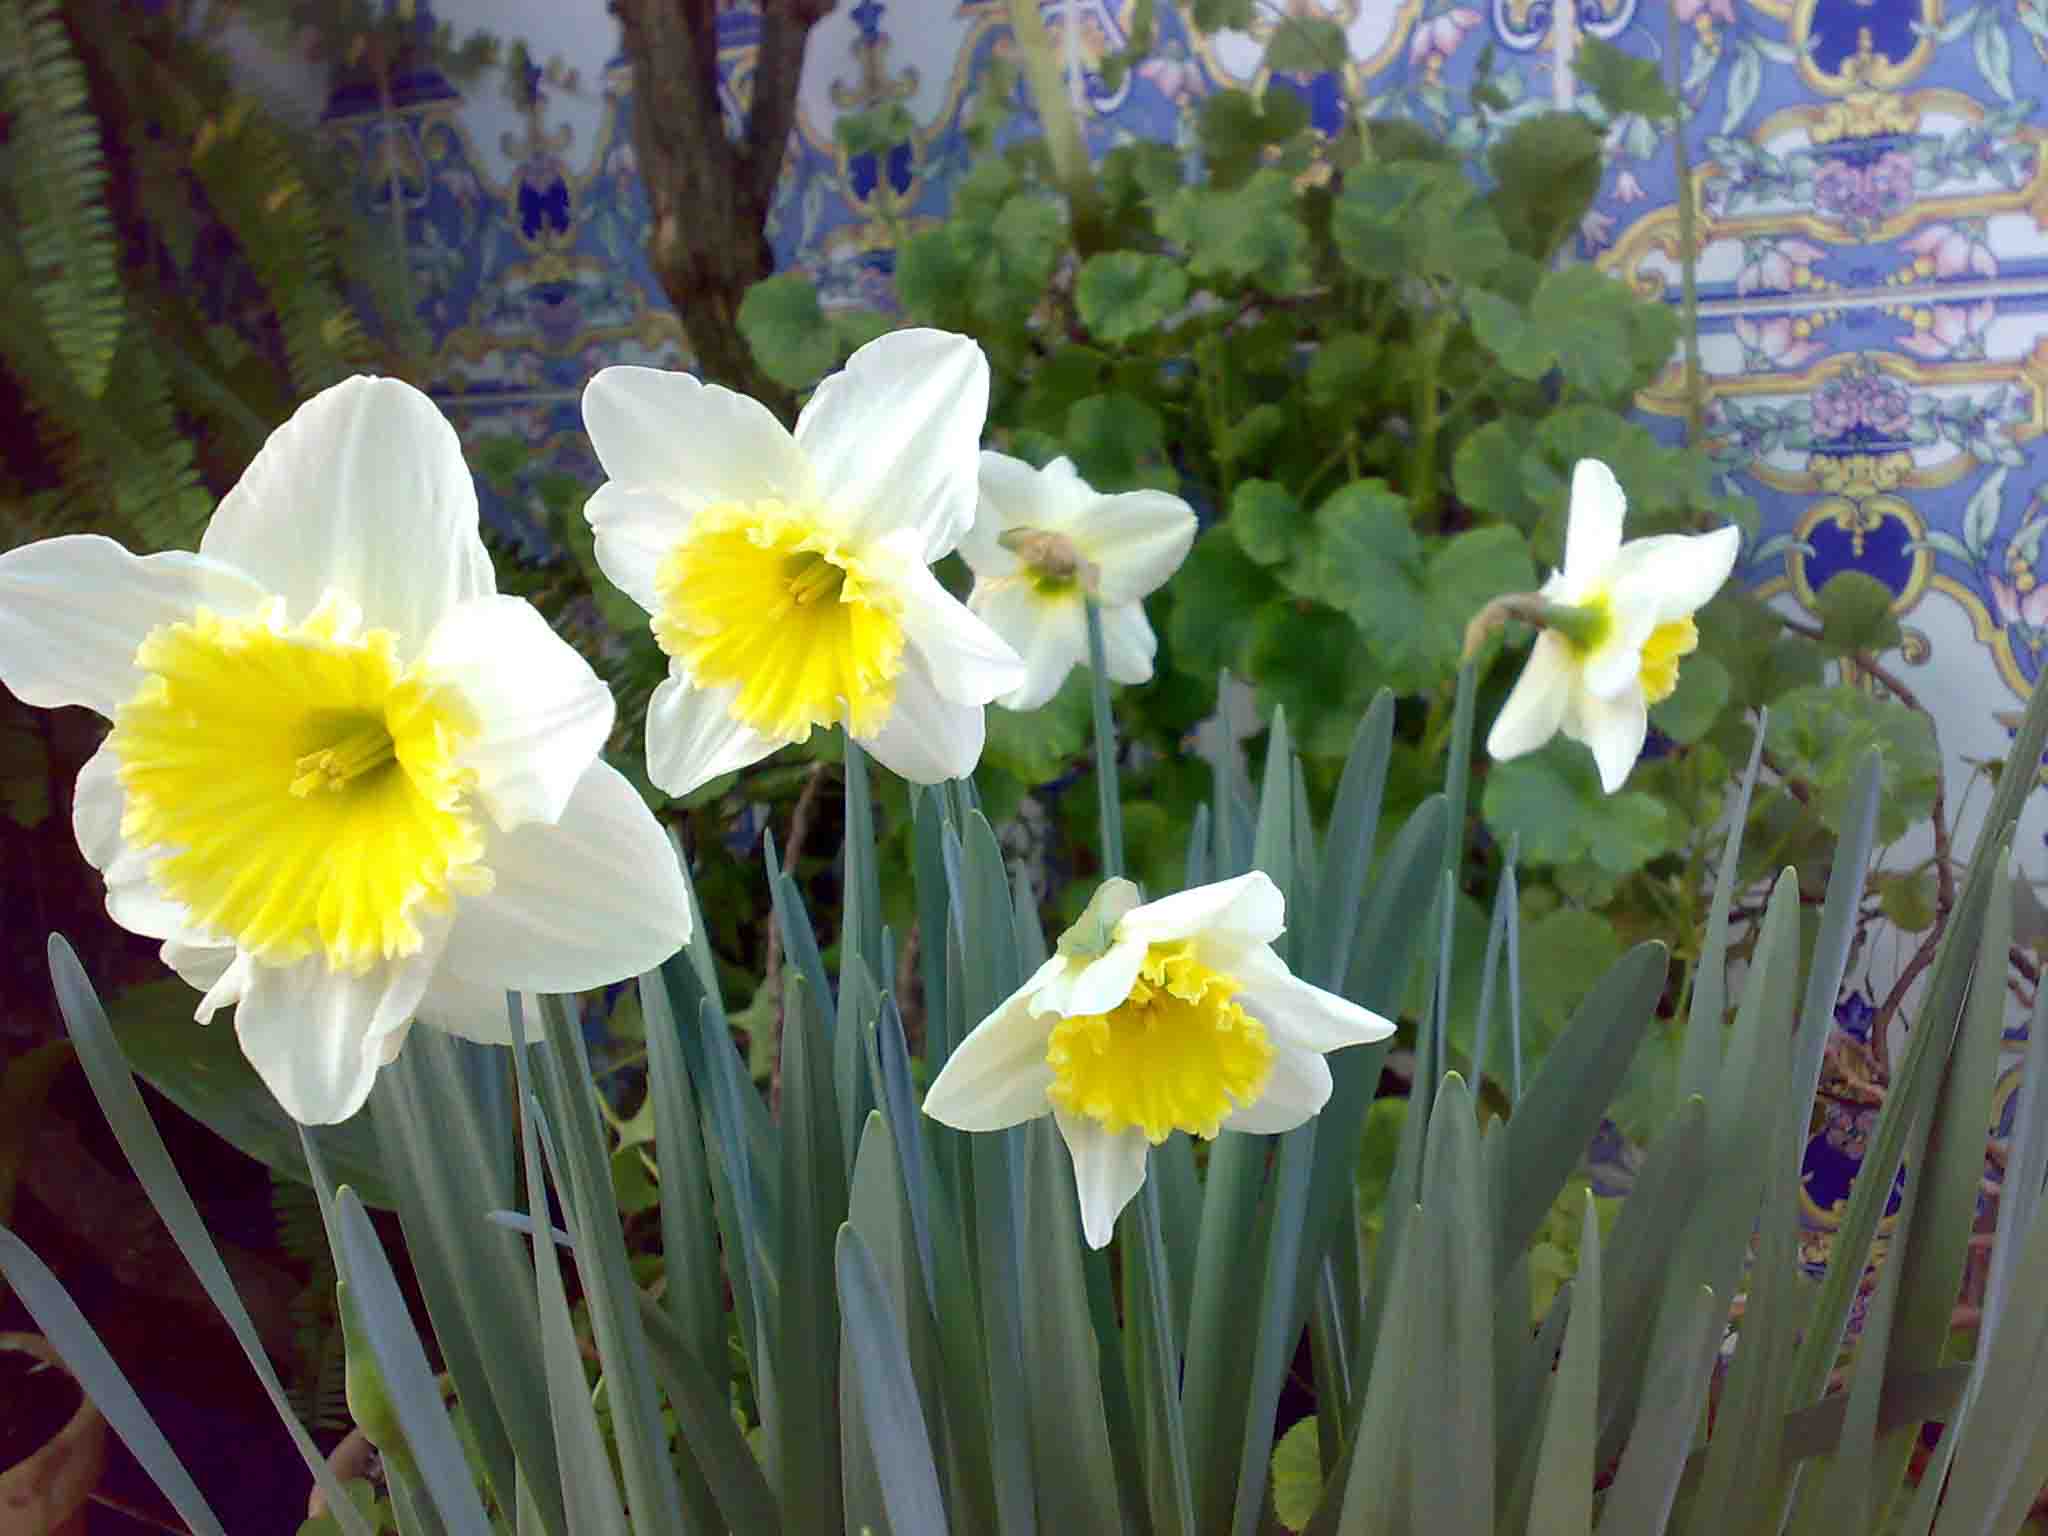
x=1108 y=793
x=1155 y=1326
x=1429 y=355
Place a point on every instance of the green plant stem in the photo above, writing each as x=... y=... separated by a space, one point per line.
x=1209 y=379
x=1108 y=792
x=1061 y=127
x=1428 y=414
x=1688 y=258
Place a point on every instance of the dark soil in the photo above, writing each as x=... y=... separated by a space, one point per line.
x=36 y=1401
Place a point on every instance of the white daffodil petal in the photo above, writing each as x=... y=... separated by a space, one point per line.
x=968 y=662
x=542 y=715
x=696 y=443
x=1297 y=1015
x=1128 y=644
x=475 y=1010
x=1674 y=575
x=634 y=530
x=1137 y=539
x=997 y=1076
x=1298 y=1087
x=227 y=989
x=1010 y=495
x=1104 y=982
x=133 y=901
x=1108 y=1171
x=928 y=738
x=364 y=490
x=592 y=899
x=1593 y=528
x=1050 y=634
x=316 y=1036
x=1244 y=911
x=74 y=609
x=1536 y=707
x=1614 y=728
x=199 y=966
x=895 y=437
x=1617 y=662
x=693 y=735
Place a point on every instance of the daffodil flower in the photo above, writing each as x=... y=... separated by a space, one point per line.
x=348 y=784
x=1044 y=541
x=1175 y=1015
x=788 y=576
x=1619 y=618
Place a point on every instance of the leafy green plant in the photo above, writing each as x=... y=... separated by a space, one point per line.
x=1371 y=364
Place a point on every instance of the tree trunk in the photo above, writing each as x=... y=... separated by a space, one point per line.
x=710 y=192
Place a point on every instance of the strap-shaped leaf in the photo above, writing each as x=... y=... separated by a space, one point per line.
x=1563 y=1501
x=1554 y=1123
x=888 y=1394
x=102 y=1379
x=119 y=1101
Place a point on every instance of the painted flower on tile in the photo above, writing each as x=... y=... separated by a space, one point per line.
x=1171 y=1016
x=1862 y=403
x=1772 y=342
x=2022 y=600
x=1949 y=331
x=788 y=575
x=1777 y=266
x=1436 y=38
x=348 y=784
x=1863 y=194
x=1947 y=251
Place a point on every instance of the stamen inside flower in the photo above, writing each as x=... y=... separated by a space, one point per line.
x=298 y=786
x=1177 y=1054
x=1667 y=642
x=760 y=596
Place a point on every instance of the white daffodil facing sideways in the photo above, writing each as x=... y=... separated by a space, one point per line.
x=348 y=784
x=1175 y=1015
x=788 y=576
x=1618 y=619
x=1043 y=542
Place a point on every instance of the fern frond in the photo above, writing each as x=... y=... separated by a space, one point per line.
x=57 y=176
x=318 y=1388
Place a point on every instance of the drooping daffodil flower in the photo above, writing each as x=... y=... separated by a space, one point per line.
x=348 y=784
x=1174 y=1015
x=1617 y=621
x=788 y=576
x=1044 y=542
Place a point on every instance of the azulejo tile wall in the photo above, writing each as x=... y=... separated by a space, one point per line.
x=1872 y=271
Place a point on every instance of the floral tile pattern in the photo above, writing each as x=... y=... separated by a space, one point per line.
x=1872 y=273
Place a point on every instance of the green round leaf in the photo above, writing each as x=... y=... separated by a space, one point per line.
x=1124 y=294
x=792 y=340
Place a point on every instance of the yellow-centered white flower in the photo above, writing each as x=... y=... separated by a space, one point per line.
x=788 y=577
x=1632 y=623
x=348 y=784
x=1174 y=1015
x=1043 y=542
